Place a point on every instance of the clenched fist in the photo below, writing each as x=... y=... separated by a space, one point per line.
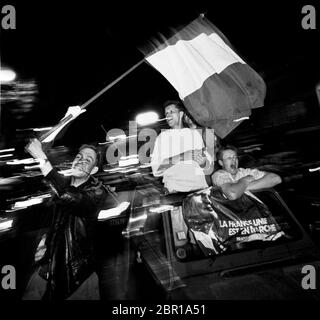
x=34 y=147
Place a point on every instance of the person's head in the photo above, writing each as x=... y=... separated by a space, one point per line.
x=86 y=162
x=228 y=159
x=174 y=112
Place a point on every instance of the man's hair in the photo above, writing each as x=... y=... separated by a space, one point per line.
x=98 y=162
x=222 y=149
x=177 y=103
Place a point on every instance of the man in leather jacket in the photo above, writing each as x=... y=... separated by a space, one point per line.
x=66 y=269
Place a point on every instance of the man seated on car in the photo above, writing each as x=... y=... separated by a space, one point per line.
x=235 y=181
x=179 y=154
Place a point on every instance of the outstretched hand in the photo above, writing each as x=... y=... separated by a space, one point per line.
x=75 y=111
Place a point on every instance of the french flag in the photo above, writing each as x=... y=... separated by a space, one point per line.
x=217 y=86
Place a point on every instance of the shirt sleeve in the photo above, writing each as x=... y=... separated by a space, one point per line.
x=221 y=177
x=57 y=181
x=257 y=174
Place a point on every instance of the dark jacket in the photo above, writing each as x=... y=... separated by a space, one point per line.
x=69 y=257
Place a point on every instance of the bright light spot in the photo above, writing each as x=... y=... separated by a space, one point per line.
x=6 y=155
x=240 y=119
x=30 y=202
x=142 y=217
x=119 y=137
x=7 y=150
x=23 y=161
x=252 y=149
x=314 y=169
x=112 y=170
x=145 y=165
x=5 y=225
x=147 y=118
x=10 y=180
x=132 y=136
x=113 y=212
x=7 y=75
x=129 y=162
x=161 y=209
x=42 y=129
x=66 y=172
x=129 y=170
x=129 y=157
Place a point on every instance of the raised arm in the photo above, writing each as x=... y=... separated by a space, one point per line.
x=74 y=111
x=35 y=149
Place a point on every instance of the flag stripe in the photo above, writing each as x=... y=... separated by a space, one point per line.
x=216 y=85
x=194 y=61
x=229 y=98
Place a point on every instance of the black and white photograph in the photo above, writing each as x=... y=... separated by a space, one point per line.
x=159 y=156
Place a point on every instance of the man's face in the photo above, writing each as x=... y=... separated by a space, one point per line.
x=173 y=116
x=84 y=162
x=229 y=161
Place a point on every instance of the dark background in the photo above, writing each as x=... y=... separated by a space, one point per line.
x=73 y=49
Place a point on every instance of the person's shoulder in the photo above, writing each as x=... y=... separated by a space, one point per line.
x=164 y=133
x=220 y=173
x=189 y=130
x=220 y=177
x=247 y=171
x=96 y=187
x=256 y=173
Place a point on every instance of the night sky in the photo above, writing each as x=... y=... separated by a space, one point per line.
x=74 y=50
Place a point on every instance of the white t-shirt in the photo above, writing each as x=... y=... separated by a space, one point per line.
x=186 y=175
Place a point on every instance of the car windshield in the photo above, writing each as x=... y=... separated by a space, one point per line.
x=219 y=225
x=206 y=224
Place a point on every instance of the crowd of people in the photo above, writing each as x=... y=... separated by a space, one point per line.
x=184 y=156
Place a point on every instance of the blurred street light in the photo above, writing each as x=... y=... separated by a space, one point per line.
x=241 y=119
x=7 y=75
x=147 y=118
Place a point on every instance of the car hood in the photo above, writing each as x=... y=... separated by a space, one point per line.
x=282 y=283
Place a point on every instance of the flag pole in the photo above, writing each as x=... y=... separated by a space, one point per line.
x=85 y=104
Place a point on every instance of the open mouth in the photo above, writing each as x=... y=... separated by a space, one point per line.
x=78 y=166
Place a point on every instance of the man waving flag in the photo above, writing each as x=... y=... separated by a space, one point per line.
x=217 y=87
